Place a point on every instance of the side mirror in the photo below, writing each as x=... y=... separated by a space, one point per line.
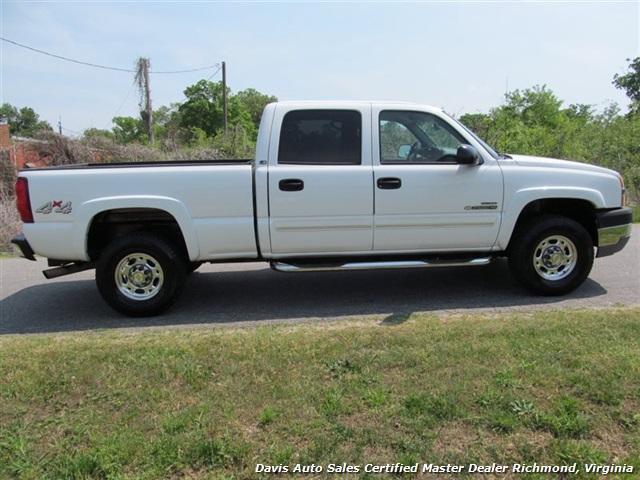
x=403 y=151
x=468 y=155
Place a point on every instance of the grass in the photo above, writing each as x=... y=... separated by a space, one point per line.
x=552 y=388
x=635 y=209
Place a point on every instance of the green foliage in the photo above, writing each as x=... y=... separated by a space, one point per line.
x=198 y=122
x=129 y=130
x=630 y=83
x=203 y=109
x=96 y=133
x=255 y=102
x=24 y=122
x=533 y=122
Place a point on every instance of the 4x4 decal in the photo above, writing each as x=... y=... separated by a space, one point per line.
x=55 y=206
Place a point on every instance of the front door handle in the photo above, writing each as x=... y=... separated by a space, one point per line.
x=389 y=183
x=291 y=185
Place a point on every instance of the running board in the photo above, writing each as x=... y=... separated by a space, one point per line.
x=68 y=269
x=319 y=267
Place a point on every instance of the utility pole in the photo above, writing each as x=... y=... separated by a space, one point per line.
x=146 y=111
x=224 y=96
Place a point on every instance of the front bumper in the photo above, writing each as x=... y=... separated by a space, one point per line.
x=23 y=245
x=614 y=230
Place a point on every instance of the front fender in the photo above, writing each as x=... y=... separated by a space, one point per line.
x=522 y=198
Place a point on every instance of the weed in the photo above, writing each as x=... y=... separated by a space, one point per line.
x=523 y=408
x=437 y=407
x=568 y=452
x=341 y=367
x=503 y=422
x=267 y=415
x=376 y=397
x=331 y=404
x=567 y=421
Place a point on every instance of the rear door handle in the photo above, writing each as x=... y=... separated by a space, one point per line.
x=291 y=185
x=389 y=183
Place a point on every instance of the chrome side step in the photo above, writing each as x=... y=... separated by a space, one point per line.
x=319 y=267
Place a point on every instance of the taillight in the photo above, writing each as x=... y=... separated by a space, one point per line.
x=23 y=202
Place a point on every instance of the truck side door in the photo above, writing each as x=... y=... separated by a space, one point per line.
x=320 y=182
x=424 y=200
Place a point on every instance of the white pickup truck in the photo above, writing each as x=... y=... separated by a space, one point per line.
x=334 y=185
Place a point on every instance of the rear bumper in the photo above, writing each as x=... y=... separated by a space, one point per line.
x=21 y=242
x=614 y=230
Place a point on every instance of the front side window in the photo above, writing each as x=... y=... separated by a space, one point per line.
x=417 y=137
x=321 y=137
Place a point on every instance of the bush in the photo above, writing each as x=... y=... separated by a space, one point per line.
x=10 y=224
x=9 y=220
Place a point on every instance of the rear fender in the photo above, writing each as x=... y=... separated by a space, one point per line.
x=86 y=212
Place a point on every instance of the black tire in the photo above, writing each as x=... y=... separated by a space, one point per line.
x=551 y=255
x=140 y=274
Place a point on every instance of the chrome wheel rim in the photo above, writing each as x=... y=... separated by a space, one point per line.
x=555 y=257
x=139 y=276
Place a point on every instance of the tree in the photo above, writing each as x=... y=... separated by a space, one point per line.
x=129 y=130
x=630 y=83
x=478 y=123
x=255 y=102
x=24 y=122
x=166 y=127
x=527 y=122
x=97 y=133
x=533 y=122
x=204 y=110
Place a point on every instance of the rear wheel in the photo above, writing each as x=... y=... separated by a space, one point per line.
x=551 y=255
x=140 y=274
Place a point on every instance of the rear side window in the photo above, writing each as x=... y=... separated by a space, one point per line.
x=321 y=137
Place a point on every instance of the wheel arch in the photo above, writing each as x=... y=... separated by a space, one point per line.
x=170 y=220
x=579 y=210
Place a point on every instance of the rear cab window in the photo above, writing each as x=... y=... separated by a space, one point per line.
x=321 y=137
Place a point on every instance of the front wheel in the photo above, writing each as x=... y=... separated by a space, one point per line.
x=551 y=255
x=140 y=274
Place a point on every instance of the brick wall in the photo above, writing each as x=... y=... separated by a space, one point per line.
x=19 y=153
x=5 y=138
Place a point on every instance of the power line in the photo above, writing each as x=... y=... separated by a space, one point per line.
x=103 y=66
x=124 y=101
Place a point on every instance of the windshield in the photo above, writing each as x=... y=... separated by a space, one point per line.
x=491 y=151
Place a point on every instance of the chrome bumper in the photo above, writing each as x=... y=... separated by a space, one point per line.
x=614 y=230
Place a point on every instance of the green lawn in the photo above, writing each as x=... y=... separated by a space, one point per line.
x=551 y=388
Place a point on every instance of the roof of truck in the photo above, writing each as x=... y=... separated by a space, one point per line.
x=353 y=103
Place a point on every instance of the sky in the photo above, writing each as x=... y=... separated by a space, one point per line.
x=460 y=55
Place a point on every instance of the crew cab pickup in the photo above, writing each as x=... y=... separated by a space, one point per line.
x=334 y=185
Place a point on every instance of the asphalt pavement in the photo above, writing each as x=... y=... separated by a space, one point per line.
x=247 y=294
